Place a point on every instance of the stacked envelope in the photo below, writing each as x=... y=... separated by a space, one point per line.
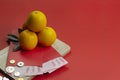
x=49 y=66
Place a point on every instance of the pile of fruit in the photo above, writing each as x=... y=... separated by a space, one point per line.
x=35 y=31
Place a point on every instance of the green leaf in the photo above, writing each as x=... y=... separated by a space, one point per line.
x=16 y=47
x=20 y=30
x=12 y=38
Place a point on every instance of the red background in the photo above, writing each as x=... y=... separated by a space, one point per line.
x=90 y=27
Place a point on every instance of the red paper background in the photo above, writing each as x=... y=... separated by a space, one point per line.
x=90 y=27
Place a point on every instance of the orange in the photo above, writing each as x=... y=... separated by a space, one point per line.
x=47 y=36
x=28 y=40
x=36 y=21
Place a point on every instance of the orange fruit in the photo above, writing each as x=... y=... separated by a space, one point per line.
x=47 y=36
x=28 y=40
x=36 y=21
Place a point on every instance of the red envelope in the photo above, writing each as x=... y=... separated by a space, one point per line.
x=32 y=58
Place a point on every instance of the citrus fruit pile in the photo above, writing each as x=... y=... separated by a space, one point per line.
x=35 y=31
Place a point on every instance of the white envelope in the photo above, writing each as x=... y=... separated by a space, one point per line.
x=3 y=57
